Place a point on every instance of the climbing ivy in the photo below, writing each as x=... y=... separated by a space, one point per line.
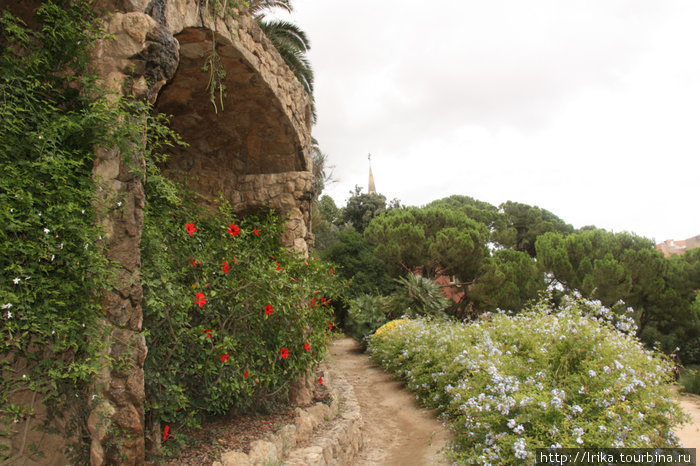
x=52 y=261
x=52 y=264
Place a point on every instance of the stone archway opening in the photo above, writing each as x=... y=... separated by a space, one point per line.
x=246 y=149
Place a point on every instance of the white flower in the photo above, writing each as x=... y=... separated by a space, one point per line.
x=511 y=423
x=591 y=373
x=52 y=257
x=519 y=429
x=16 y=280
x=7 y=305
x=9 y=315
x=82 y=211
x=576 y=409
x=119 y=204
x=47 y=231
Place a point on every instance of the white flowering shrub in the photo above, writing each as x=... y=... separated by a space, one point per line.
x=545 y=378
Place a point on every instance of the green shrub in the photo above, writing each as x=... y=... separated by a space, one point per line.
x=690 y=379
x=232 y=317
x=417 y=296
x=366 y=314
x=559 y=378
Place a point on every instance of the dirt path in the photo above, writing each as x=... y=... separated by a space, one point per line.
x=396 y=430
x=690 y=433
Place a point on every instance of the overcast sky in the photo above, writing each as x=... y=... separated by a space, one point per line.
x=589 y=109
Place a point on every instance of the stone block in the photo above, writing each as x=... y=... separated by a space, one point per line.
x=235 y=458
x=262 y=452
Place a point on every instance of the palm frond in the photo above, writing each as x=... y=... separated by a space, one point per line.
x=257 y=6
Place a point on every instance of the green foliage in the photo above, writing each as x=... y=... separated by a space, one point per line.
x=227 y=353
x=366 y=314
x=690 y=379
x=431 y=239
x=361 y=208
x=52 y=265
x=616 y=267
x=562 y=378
x=524 y=224
x=359 y=265
x=417 y=296
x=510 y=280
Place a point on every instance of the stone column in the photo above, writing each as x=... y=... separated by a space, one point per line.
x=140 y=59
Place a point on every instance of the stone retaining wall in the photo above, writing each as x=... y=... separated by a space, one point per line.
x=322 y=434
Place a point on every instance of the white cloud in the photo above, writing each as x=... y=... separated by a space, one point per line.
x=587 y=109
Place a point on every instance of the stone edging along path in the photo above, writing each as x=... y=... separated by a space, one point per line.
x=322 y=434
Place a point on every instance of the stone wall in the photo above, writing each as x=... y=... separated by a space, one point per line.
x=254 y=148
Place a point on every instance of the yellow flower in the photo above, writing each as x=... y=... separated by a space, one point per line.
x=390 y=325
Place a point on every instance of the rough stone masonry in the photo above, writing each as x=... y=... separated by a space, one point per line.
x=253 y=148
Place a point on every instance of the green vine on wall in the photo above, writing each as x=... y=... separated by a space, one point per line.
x=52 y=261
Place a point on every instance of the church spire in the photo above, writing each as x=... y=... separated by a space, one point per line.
x=370 y=188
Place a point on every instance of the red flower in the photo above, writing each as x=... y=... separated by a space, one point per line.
x=190 y=228
x=320 y=380
x=293 y=279
x=245 y=374
x=208 y=332
x=234 y=260
x=284 y=353
x=166 y=433
x=307 y=347
x=199 y=299
x=256 y=231
x=278 y=265
x=195 y=262
x=269 y=309
x=225 y=267
x=233 y=230
x=330 y=325
x=224 y=357
x=313 y=301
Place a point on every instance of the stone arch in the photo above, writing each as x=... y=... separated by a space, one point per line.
x=247 y=148
x=256 y=152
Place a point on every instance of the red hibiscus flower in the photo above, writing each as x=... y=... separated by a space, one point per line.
x=224 y=267
x=330 y=326
x=224 y=357
x=199 y=299
x=190 y=228
x=269 y=309
x=245 y=374
x=320 y=380
x=208 y=332
x=233 y=230
x=284 y=353
x=166 y=433
x=307 y=347
x=256 y=231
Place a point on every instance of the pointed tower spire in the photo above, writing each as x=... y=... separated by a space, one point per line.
x=371 y=189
